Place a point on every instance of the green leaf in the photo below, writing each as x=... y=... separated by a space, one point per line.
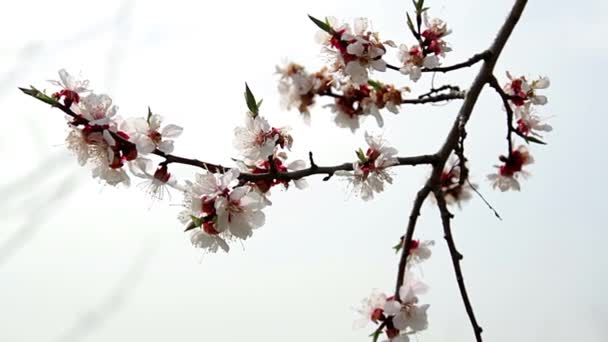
x=410 y=23
x=40 y=96
x=361 y=155
x=252 y=104
x=196 y=221
x=398 y=247
x=323 y=25
x=149 y=115
x=375 y=335
x=534 y=140
x=375 y=84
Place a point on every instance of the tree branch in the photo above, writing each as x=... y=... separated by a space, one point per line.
x=244 y=176
x=451 y=143
x=468 y=63
x=446 y=216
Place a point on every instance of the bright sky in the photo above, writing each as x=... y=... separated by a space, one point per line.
x=84 y=262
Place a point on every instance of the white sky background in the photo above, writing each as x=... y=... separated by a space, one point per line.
x=83 y=262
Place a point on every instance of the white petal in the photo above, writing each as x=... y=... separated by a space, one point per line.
x=166 y=146
x=172 y=131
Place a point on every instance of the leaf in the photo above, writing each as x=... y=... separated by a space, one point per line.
x=323 y=25
x=252 y=104
x=398 y=247
x=149 y=115
x=534 y=140
x=375 y=84
x=40 y=96
x=375 y=335
x=410 y=23
x=361 y=155
x=196 y=221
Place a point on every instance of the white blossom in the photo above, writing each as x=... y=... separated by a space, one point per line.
x=148 y=135
x=413 y=60
x=370 y=309
x=219 y=211
x=69 y=82
x=408 y=313
x=506 y=178
x=370 y=171
x=257 y=140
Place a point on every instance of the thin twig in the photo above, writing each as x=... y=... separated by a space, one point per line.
x=245 y=176
x=484 y=200
x=446 y=216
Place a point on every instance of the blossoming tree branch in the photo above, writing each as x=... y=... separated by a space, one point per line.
x=225 y=203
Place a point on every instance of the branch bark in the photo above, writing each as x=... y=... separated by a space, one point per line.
x=451 y=143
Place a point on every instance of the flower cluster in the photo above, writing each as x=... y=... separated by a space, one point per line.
x=219 y=210
x=511 y=169
x=354 y=53
x=427 y=53
x=370 y=171
x=522 y=97
x=404 y=315
x=99 y=137
x=455 y=185
x=298 y=88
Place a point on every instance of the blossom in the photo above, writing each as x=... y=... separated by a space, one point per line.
x=436 y=30
x=523 y=92
x=72 y=88
x=298 y=88
x=528 y=123
x=383 y=96
x=257 y=140
x=156 y=178
x=407 y=313
x=370 y=171
x=453 y=191
x=354 y=53
x=507 y=176
x=413 y=59
x=371 y=309
x=148 y=135
x=219 y=211
x=420 y=251
x=98 y=110
x=264 y=166
x=97 y=145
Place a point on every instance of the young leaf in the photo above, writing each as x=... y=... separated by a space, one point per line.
x=149 y=115
x=410 y=24
x=252 y=104
x=361 y=155
x=375 y=84
x=534 y=140
x=323 y=25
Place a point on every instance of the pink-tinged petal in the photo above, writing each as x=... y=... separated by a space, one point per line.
x=297 y=165
x=300 y=183
x=172 y=131
x=166 y=146
x=155 y=121
x=392 y=307
x=144 y=144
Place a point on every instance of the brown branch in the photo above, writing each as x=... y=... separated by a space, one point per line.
x=468 y=63
x=493 y=82
x=436 y=98
x=422 y=99
x=407 y=241
x=446 y=216
x=244 y=176
x=451 y=143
